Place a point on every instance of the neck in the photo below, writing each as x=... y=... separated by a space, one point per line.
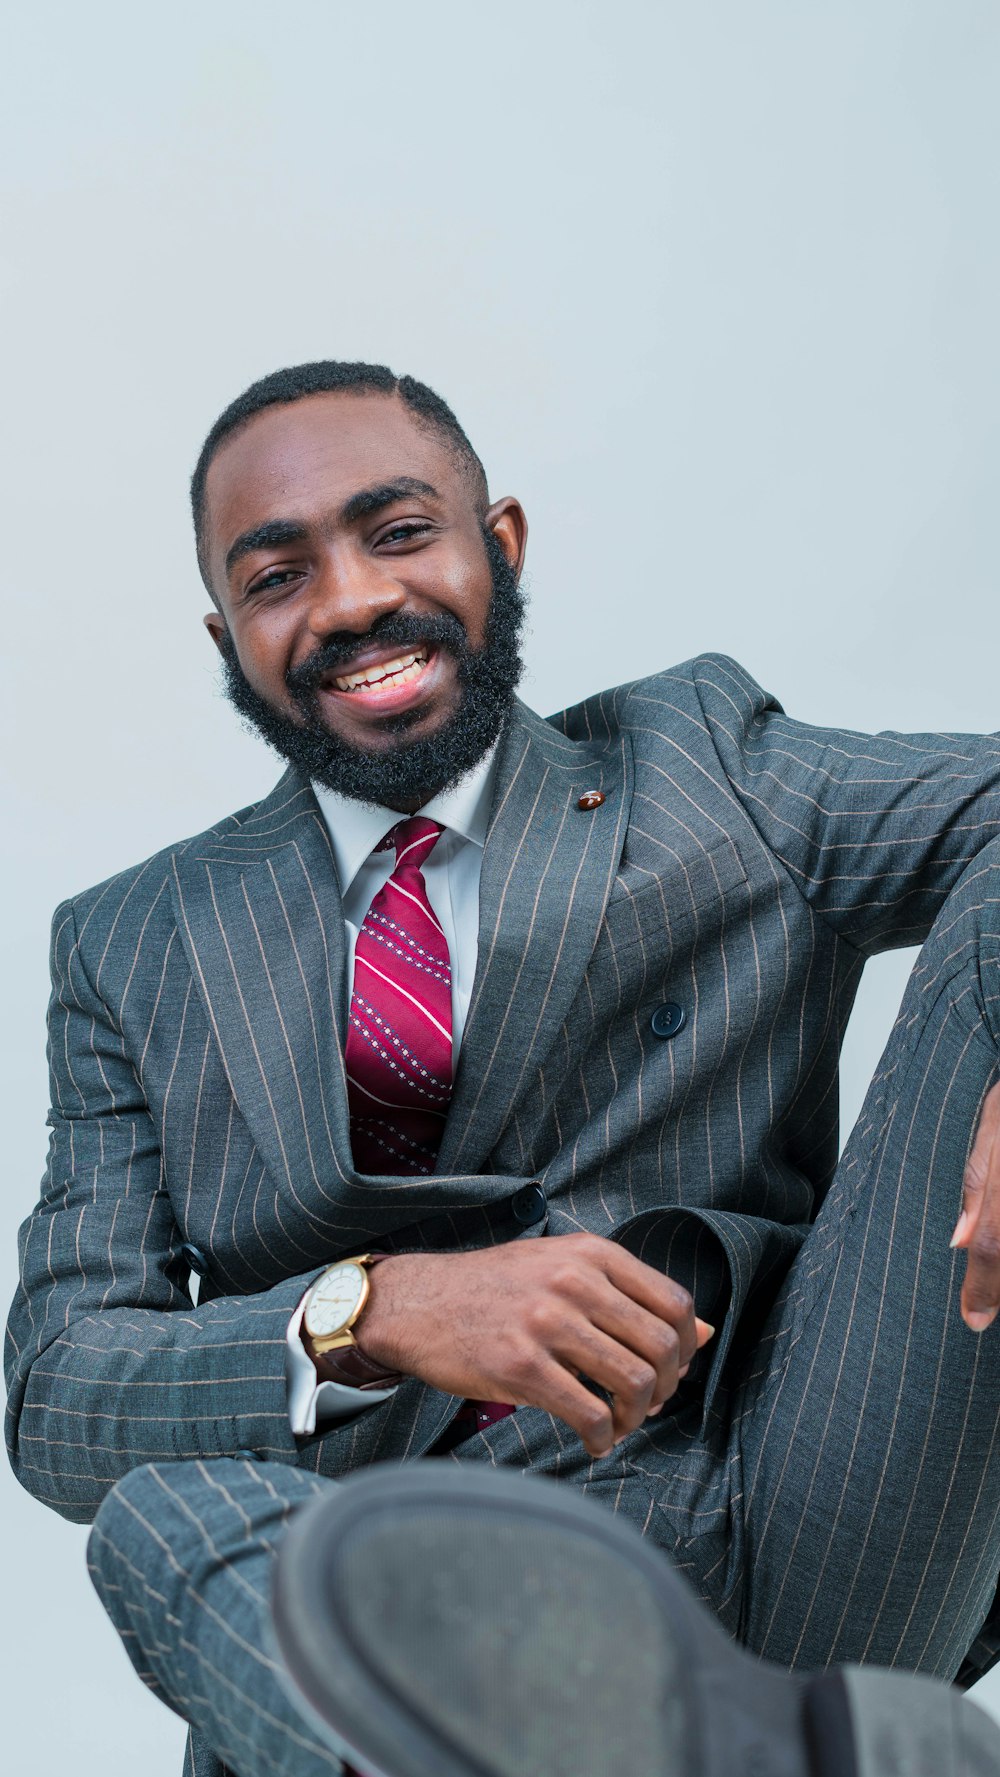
x=413 y=804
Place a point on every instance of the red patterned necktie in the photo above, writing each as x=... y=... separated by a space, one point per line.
x=398 y=1051
x=399 y=1040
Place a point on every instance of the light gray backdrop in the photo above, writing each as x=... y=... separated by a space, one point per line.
x=713 y=288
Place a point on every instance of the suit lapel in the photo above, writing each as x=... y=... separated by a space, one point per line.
x=548 y=868
x=259 y=913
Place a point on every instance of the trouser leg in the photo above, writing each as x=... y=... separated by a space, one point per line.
x=181 y=1555
x=870 y=1423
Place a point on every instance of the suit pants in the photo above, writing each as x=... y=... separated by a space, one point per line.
x=842 y=1502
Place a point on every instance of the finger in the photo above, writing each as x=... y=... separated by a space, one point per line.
x=667 y=1347
x=629 y=1379
x=557 y=1391
x=654 y=1341
x=977 y=1168
x=652 y=1290
x=981 y=1286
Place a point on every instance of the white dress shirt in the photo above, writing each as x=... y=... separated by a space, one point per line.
x=451 y=874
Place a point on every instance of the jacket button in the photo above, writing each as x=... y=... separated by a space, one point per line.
x=591 y=799
x=528 y=1206
x=668 y=1019
x=196 y=1259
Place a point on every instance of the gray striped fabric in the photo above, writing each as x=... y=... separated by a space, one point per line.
x=742 y=866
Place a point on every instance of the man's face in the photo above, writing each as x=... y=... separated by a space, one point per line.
x=369 y=613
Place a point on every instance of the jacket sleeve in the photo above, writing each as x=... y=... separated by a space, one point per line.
x=874 y=829
x=108 y=1362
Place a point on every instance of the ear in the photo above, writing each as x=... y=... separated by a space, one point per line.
x=506 y=519
x=216 y=627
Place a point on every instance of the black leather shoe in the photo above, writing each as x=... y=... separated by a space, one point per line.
x=445 y=1622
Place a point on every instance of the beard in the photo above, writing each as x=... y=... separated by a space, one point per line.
x=407 y=771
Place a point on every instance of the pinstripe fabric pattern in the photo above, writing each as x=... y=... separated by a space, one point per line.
x=742 y=865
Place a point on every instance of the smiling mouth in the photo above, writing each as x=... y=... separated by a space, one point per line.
x=386 y=675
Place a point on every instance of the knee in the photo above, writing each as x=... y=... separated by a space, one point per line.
x=174 y=1525
x=154 y=1535
x=125 y=1509
x=973 y=906
x=147 y=1497
x=130 y=1542
x=961 y=957
x=981 y=888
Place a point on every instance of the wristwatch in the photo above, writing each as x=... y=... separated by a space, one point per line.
x=332 y=1308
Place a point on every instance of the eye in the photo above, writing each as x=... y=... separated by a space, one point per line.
x=404 y=530
x=275 y=577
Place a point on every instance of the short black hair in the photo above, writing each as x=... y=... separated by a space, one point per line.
x=325 y=377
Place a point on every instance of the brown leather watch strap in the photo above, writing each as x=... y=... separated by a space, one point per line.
x=351 y=1367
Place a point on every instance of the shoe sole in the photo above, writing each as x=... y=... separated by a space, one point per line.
x=454 y=1623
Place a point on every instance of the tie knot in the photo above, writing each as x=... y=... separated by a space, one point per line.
x=413 y=838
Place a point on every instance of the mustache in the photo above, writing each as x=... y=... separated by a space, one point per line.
x=441 y=630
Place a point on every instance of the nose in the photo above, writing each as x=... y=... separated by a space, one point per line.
x=350 y=592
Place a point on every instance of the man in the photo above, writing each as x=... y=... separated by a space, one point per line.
x=466 y=978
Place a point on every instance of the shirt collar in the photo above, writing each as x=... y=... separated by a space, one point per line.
x=356 y=828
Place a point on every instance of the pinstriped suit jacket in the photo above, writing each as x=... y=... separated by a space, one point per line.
x=741 y=865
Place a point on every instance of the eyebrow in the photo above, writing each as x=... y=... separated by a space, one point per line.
x=372 y=499
x=276 y=532
x=272 y=535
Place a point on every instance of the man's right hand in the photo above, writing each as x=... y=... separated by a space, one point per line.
x=523 y=1322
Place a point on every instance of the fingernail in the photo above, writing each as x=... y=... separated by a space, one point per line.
x=705 y=1330
x=961 y=1229
x=980 y=1318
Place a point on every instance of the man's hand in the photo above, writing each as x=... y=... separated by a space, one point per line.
x=978 y=1226
x=523 y=1322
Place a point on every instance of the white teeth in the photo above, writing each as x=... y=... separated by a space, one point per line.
x=406 y=667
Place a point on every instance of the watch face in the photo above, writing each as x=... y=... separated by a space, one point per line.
x=334 y=1298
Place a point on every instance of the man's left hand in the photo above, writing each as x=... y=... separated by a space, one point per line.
x=978 y=1226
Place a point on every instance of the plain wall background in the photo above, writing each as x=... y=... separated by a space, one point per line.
x=714 y=290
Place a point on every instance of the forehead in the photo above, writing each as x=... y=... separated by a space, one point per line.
x=305 y=458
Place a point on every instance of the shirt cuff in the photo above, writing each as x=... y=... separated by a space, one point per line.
x=312 y=1402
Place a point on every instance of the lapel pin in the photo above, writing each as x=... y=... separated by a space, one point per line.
x=591 y=799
